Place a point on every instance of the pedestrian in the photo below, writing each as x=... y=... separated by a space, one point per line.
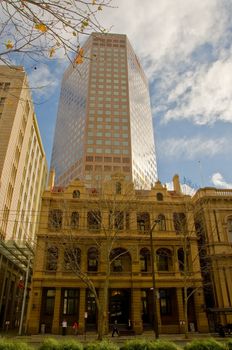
x=75 y=327
x=115 y=328
x=221 y=331
x=129 y=324
x=64 y=326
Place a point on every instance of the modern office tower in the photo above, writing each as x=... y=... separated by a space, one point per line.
x=104 y=122
x=22 y=159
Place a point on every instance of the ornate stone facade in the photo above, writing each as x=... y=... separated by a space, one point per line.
x=59 y=293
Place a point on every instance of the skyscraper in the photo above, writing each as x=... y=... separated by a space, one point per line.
x=104 y=122
x=23 y=165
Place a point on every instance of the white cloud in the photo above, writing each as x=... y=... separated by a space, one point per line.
x=185 y=47
x=204 y=96
x=43 y=81
x=218 y=181
x=186 y=189
x=193 y=148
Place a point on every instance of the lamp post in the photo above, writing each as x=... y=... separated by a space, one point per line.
x=155 y=318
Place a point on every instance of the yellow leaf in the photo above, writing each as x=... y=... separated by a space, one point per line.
x=9 y=45
x=85 y=23
x=94 y=2
x=74 y=33
x=99 y=8
x=52 y=52
x=41 y=27
x=79 y=58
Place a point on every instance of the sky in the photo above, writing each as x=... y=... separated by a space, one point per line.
x=185 y=48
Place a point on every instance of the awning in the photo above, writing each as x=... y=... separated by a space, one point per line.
x=220 y=310
x=19 y=253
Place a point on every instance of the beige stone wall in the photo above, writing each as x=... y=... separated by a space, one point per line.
x=22 y=159
x=130 y=239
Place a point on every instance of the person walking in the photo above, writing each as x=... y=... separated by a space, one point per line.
x=75 y=327
x=115 y=328
x=64 y=326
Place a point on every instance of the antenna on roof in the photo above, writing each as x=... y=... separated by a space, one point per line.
x=201 y=173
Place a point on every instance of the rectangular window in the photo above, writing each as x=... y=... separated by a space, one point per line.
x=165 y=302
x=70 y=301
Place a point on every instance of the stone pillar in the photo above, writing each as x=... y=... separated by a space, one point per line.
x=56 y=323
x=136 y=319
x=33 y=322
x=202 y=321
x=82 y=310
x=179 y=296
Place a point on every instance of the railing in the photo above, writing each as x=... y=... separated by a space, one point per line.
x=212 y=192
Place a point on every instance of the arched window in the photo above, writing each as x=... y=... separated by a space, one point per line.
x=143 y=222
x=161 y=222
x=94 y=220
x=159 y=197
x=74 y=222
x=145 y=260
x=76 y=194
x=181 y=259
x=92 y=259
x=120 y=260
x=180 y=223
x=229 y=228
x=55 y=219
x=163 y=259
x=52 y=258
x=118 y=188
x=72 y=258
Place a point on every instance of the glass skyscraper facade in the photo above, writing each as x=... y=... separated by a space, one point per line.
x=104 y=122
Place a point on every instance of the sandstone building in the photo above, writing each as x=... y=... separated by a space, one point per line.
x=23 y=172
x=85 y=219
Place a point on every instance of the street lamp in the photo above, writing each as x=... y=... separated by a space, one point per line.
x=155 y=318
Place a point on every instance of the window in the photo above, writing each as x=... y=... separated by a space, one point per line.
x=94 y=220
x=74 y=222
x=76 y=193
x=181 y=259
x=159 y=197
x=120 y=260
x=92 y=257
x=143 y=222
x=70 y=301
x=72 y=258
x=49 y=301
x=180 y=223
x=163 y=259
x=161 y=222
x=55 y=219
x=2 y=101
x=229 y=229
x=145 y=260
x=118 y=188
x=165 y=302
x=52 y=258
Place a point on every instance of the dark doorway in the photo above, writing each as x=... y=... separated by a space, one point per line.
x=47 y=308
x=119 y=306
x=147 y=307
x=91 y=309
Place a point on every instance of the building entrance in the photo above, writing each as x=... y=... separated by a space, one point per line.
x=120 y=306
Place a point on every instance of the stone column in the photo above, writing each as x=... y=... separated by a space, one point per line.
x=34 y=320
x=82 y=310
x=179 y=296
x=136 y=319
x=56 y=323
x=202 y=321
